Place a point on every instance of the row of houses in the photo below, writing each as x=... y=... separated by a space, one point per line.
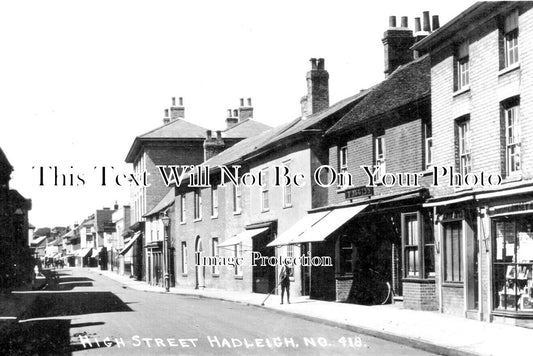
x=422 y=182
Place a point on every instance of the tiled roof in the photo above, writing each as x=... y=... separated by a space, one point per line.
x=244 y=129
x=175 y=129
x=167 y=201
x=407 y=84
x=276 y=134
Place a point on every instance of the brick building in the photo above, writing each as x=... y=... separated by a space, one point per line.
x=481 y=82
x=177 y=142
x=233 y=221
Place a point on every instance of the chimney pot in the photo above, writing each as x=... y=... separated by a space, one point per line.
x=219 y=134
x=417 y=24
x=235 y=113
x=208 y=134
x=435 y=22
x=229 y=112
x=173 y=101
x=405 y=22
x=392 y=21
x=242 y=101
x=321 y=63
x=249 y=101
x=313 y=63
x=181 y=101
x=427 y=27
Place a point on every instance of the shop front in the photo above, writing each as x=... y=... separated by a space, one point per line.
x=512 y=262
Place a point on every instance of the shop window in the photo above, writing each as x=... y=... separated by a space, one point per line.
x=265 y=205
x=214 y=201
x=513 y=264
x=464 y=147
x=345 y=265
x=184 y=258
x=197 y=204
x=453 y=251
x=182 y=208
x=214 y=253
x=287 y=189
x=418 y=246
x=462 y=67
x=290 y=251
x=238 y=255
x=511 y=118
x=412 y=232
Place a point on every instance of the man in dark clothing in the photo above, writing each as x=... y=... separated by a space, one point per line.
x=284 y=277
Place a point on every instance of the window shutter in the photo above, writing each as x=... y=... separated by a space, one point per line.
x=511 y=22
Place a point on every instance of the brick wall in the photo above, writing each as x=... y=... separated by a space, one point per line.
x=343 y=288
x=420 y=296
x=453 y=300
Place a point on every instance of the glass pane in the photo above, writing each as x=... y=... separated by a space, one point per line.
x=429 y=261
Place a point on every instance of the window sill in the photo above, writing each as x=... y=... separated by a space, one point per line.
x=183 y=222
x=196 y=220
x=428 y=280
x=515 y=177
x=184 y=274
x=215 y=275
x=453 y=284
x=214 y=216
x=265 y=210
x=461 y=91
x=427 y=172
x=509 y=69
x=237 y=212
x=519 y=314
x=238 y=278
x=287 y=206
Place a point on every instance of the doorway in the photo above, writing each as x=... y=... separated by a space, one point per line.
x=200 y=270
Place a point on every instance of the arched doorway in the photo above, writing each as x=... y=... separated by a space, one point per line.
x=200 y=270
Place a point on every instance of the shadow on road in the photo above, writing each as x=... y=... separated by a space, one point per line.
x=50 y=335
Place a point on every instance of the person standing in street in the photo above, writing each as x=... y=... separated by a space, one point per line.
x=285 y=282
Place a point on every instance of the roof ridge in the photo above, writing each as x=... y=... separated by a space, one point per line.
x=168 y=124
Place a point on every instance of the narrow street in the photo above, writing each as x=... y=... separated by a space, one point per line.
x=86 y=313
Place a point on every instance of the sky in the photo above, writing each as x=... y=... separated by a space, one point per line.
x=81 y=79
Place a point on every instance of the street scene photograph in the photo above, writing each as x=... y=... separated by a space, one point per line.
x=272 y=178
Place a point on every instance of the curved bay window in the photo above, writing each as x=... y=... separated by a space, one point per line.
x=513 y=264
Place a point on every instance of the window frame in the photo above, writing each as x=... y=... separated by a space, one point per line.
x=380 y=159
x=464 y=136
x=237 y=199
x=215 y=270
x=197 y=198
x=425 y=242
x=286 y=190
x=183 y=208
x=512 y=149
x=184 y=259
x=265 y=201
x=237 y=251
x=428 y=145
x=214 y=201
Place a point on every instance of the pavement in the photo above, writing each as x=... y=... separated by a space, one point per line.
x=429 y=331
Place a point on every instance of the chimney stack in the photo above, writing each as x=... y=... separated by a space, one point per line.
x=232 y=119
x=166 y=119
x=397 y=42
x=213 y=145
x=435 y=22
x=115 y=207
x=317 y=97
x=177 y=111
x=427 y=27
x=246 y=112
x=405 y=22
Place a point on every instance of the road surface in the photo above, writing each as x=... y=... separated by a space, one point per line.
x=87 y=313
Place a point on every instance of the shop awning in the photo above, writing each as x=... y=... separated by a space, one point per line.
x=83 y=252
x=130 y=243
x=243 y=236
x=297 y=229
x=96 y=251
x=332 y=221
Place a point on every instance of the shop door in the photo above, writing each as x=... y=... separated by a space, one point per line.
x=306 y=271
x=264 y=277
x=200 y=270
x=472 y=258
